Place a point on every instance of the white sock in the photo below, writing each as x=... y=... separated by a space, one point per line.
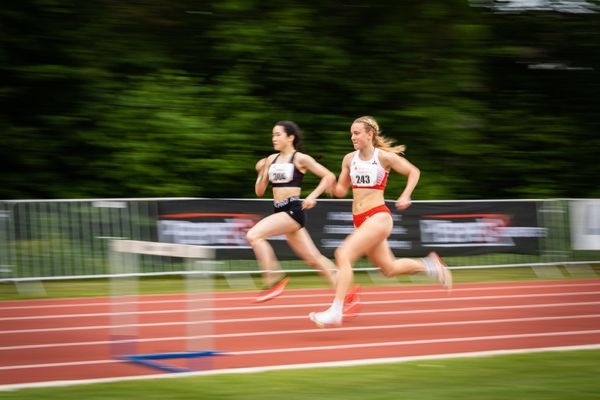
x=336 y=307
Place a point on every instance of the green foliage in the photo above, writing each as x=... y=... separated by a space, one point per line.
x=150 y=98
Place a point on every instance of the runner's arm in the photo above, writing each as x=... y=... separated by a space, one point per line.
x=343 y=183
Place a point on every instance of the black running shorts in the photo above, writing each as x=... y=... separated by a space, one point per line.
x=292 y=207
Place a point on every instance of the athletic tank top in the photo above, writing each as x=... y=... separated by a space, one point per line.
x=285 y=174
x=368 y=174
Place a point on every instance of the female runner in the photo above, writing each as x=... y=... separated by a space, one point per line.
x=285 y=170
x=367 y=170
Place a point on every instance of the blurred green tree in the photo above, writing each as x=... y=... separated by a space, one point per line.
x=147 y=98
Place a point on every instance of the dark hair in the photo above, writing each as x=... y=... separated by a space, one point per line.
x=291 y=128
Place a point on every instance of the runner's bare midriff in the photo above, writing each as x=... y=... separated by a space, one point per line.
x=282 y=193
x=366 y=199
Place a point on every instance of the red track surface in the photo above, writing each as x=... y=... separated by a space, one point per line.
x=69 y=339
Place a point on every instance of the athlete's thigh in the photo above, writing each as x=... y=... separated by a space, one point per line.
x=381 y=254
x=373 y=231
x=275 y=224
x=302 y=244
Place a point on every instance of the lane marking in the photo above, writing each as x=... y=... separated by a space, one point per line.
x=311 y=305
x=299 y=331
x=335 y=347
x=417 y=342
x=251 y=296
x=294 y=317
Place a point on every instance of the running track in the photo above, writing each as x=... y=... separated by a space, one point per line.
x=68 y=339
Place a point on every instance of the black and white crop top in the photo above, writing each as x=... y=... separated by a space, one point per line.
x=285 y=174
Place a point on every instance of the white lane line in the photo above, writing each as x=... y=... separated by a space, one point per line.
x=416 y=342
x=300 y=331
x=337 y=347
x=306 y=305
x=294 y=317
x=292 y=296
x=59 y=364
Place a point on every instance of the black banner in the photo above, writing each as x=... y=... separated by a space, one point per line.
x=450 y=228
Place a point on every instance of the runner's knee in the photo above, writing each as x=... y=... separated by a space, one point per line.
x=252 y=237
x=342 y=257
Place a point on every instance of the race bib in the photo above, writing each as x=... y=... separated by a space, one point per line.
x=363 y=175
x=281 y=173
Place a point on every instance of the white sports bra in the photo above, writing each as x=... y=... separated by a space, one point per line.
x=368 y=174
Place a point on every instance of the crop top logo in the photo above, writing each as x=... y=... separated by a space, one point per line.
x=281 y=173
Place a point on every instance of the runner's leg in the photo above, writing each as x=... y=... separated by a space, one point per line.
x=374 y=230
x=272 y=225
x=303 y=245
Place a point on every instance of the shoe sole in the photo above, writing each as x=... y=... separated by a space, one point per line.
x=314 y=319
x=275 y=291
x=319 y=324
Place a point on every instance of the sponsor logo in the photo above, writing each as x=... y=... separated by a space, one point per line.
x=226 y=230
x=473 y=230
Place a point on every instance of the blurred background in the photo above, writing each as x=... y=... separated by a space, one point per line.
x=110 y=109
x=494 y=99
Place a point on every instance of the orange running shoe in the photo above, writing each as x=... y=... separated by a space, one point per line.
x=352 y=304
x=351 y=293
x=273 y=291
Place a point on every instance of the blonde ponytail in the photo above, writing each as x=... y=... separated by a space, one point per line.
x=380 y=141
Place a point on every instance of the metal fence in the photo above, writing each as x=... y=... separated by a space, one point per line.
x=66 y=239
x=70 y=238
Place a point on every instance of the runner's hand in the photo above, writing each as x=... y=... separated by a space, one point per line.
x=260 y=164
x=403 y=202
x=308 y=203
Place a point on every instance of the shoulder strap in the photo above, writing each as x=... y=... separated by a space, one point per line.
x=376 y=155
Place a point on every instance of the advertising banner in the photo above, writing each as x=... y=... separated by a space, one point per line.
x=450 y=228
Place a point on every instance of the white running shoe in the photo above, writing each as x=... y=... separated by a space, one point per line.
x=325 y=318
x=443 y=274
